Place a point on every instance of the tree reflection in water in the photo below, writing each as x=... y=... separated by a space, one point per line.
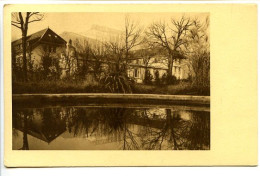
x=133 y=128
x=178 y=133
x=21 y=121
x=109 y=122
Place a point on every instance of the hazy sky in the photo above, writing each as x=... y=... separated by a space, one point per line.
x=81 y=22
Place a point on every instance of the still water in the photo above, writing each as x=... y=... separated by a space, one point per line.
x=111 y=128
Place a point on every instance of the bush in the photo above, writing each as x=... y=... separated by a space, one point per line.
x=157 y=77
x=148 y=79
x=117 y=83
x=171 y=79
x=164 y=79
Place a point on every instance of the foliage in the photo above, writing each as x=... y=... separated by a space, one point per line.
x=157 y=78
x=50 y=68
x=198 y=53
x=117 y=83
x=46 y=64
x=164 y=79
x=148 y=77
x=171 y=79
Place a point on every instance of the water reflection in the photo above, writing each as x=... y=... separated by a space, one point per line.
x=114 y=128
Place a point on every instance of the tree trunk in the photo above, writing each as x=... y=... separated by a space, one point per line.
x=170 y=65
x=24 y=56
x=145 y=72
x=118 y=66
x=14 y=68
x=25 y=139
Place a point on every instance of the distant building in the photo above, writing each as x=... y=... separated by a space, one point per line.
x=157 y=63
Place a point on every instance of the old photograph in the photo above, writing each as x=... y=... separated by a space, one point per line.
x=110 y=81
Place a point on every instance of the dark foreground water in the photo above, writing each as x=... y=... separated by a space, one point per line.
x=111 y=128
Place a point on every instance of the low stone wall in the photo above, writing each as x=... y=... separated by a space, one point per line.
x=104 y=98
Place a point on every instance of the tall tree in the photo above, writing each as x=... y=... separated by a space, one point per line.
x=198 y=53
x=170 y=37
x=115 y=53
x=146 y=54
x=132 y=36
x=21 y=20
x=121 y=47
x=84 y=51
x=98 y=54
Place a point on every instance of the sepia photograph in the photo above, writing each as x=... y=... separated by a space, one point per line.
x=110 y=81
x=130 y=85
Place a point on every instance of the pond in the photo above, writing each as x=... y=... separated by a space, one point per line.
x=111 y=128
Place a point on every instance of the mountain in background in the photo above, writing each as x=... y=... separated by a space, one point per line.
x=101 y=33
x=73 y=36
x=96 y=34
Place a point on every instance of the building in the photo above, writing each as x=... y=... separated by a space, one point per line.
x=42 y=45
x=158 y=64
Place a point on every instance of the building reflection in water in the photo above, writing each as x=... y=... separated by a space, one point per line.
x=118 y=128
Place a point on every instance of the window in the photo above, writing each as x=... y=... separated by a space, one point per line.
x=174 y=69
x=19 y=46
x=136 y=73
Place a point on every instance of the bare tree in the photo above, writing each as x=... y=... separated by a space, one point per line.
x=147 y=54
x=84 y=51
x=198 y=53
x=132 y=36
x=21 y=20
x=170 y=37
x=115 y=52
x=120 y=48
x=98 y=54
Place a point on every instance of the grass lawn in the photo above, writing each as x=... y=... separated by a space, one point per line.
x=59 y=86
x=182 y=88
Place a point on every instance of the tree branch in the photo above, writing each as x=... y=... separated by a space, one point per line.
x=16 y=25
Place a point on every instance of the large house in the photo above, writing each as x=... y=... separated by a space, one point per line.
x=39 y=44
x=46 y=43
x=42 y=44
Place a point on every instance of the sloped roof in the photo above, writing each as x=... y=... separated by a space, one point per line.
x=46 y=137
x=36 y=35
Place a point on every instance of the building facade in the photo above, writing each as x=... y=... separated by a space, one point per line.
x=158 y=64
x=42 y=45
